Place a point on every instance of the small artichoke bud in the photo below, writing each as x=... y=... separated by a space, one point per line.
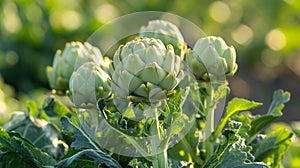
x=145 y=70
x=65 y=62
x=89 y=84
x=211 y=56
x=167 y=32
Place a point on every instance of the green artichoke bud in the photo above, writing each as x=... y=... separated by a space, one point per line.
x=211 y=56
x=89 y=84
x=167 y=32
x=65 y=62
x=145 y=70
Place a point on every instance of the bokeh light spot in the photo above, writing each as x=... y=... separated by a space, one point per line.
x=33 y=13
x=275 y=39
x=37 y=34
x=219 y=11
x=106 y=12
x=70 y=20
x=242 y=35
x=11 y=21
x=240 y=87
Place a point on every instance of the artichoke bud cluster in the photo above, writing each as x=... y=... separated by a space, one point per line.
x=167 y=32
x=67 y=61
x=145 y=70
x=211 y=57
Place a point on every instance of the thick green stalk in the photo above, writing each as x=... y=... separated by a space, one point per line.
x=158 y=150
x=209 y=123
x=161 y=160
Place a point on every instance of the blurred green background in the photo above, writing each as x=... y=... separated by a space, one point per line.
x=266 y=35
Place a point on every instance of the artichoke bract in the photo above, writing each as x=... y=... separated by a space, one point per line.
x=211 y=56
x=167 y=32
x=65 y=62
x=145 y=71
x=89 y=84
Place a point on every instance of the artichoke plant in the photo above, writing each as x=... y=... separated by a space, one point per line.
x=145 y=70
x=212 y=57
x=65 y=62
x=167 y=32
x=89 y=84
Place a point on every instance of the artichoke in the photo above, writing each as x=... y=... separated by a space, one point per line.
x=145 y=70
x=211 y=57
x=65 y=62
x=167 y=32
x=89 y=84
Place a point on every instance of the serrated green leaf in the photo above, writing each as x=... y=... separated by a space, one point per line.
x=16 y=148
x=279 y=98
x=32 y=109
x=98 y=158
x=259 y=122
x=81 y=138
x=10 y=160
x=16 y=119
x=272 y=147
x=246 y=124
x=83 y=142
x=233 y=152
x=235 y=106
x=179 y=164
x=139 y=163
x=41 y=133
x=53 y=107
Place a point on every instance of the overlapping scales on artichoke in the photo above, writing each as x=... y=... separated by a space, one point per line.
x=145 y=70
x=67 y=61
x=212 y=57
x=89 y=84
x=167 y=32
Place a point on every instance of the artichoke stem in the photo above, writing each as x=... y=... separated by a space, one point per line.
x=159 y=151
x=161 y=160
x=209 y=123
